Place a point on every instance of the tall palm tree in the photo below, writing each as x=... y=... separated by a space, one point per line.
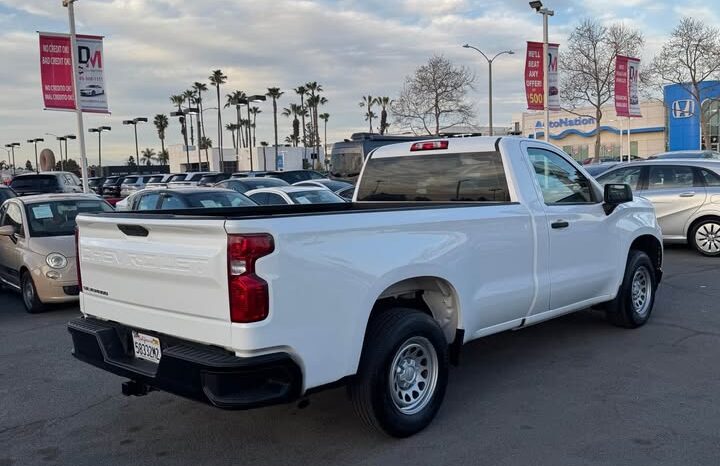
x=199 y=89
x=315 y=89
x=217 y=78
x=189 y=96
x=301 y=91
x=254 y=111
x=232 y=127
x=293 y=112
x=368 y=101
x=178 y=100
x=264 y=145
x=161 y=124
x=384 y=103
x=233 y=100
x=274 y=93
x=147 y=156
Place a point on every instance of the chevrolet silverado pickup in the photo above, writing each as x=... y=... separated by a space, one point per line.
x=446 y=241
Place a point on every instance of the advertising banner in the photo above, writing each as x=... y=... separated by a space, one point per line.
x=56 y=73
x=627 y=100
x=535 y=75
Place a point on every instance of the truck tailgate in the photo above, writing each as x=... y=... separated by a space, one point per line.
x=164 y=275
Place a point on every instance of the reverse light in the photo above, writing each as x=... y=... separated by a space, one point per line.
x=249 y=295
x=428 y=145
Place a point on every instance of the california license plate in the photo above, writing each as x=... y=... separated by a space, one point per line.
x=146 y=347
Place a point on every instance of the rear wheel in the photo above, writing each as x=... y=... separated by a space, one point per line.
x=705 y=237
x=403 y=372
x=29 y=295
x=634 y=302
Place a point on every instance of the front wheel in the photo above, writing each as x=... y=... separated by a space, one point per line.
x=403 y=372
x=705 y=237
x=29 y=294
x=634 y=302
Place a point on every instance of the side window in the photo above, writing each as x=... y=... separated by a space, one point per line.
x=13 y=216
x=629 y=175
x=171 y=201
x=148 y=201
x=465 y=177
x=275 y=199
x=559 y=180
x=260 y=198
x=710 y=178
x=670 y=177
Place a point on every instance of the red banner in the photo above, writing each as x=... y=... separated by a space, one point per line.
x=536 y=72
x=627 y=101
x=56 y=73
x=534 y=75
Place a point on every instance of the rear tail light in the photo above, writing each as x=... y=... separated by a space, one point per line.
x=429 y=145
x=77 y=258
x=249 y=296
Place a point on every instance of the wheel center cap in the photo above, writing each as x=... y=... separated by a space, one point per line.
x=408 y=372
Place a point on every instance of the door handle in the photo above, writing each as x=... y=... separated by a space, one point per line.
x=688 y=194
x=559 y=224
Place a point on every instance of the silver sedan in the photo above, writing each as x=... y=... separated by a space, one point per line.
x=686 y=196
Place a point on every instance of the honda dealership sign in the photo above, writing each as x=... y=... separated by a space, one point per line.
x=627 y=100
x=535 y=75
x=56 y=73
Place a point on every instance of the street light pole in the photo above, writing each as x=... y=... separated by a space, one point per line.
x=35 y=141
x=181 y=117
x=196 y=111
x=490 y=90
x=134 y=123
x=60 y=139
x=70 y=4
x=66 y=138
x=12 y=147
x=99 y=131
x=538 y=7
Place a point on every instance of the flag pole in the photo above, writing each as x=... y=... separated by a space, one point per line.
x=69 y=4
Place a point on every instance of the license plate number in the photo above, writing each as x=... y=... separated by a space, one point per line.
x=146 y=347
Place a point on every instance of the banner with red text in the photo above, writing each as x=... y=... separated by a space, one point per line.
x=627 y=100
x=535 y=74
x=56 y=73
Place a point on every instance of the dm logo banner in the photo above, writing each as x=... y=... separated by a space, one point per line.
x=56 y=73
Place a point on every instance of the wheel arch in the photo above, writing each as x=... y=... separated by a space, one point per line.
x=696 y=221
x=651 y=246
x=432 y=295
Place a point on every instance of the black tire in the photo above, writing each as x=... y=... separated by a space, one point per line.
x=30 y=298
x=707 y=242
x=623 y=311
x=370 y=390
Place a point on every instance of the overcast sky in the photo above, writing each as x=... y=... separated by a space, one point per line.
x=155 y=48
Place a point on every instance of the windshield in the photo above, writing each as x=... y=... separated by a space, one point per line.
x=111 y=181
x=95 y=181
x=155 y=179
x=346 y=162
x=177 y=178
x=57 y=218
x=217 y=199
x=130 y=180
x=195 y=177
x=35 y=181
x=263 y=182
x=320 y=196
x=209 y=179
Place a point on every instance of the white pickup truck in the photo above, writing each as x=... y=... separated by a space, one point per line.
x=447 y=241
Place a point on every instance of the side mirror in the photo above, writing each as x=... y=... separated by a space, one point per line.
x=616 y=194
x=7 y=230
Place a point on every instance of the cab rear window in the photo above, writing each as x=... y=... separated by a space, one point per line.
x=468 y=177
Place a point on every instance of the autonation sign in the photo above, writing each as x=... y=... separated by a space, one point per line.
x=568 y=122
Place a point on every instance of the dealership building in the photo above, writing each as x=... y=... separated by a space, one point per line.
x=673 y=124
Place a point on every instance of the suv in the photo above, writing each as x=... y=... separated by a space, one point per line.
x=160 y=181
x=111 y=186
x=191 y=179
x=95 y=184
x=133 y=183
x=212 y=179
x=295 y=176
x=46 y=183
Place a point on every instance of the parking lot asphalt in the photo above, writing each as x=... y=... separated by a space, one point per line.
x=574 y=391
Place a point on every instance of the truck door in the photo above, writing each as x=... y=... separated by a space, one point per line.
x=580 y=258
